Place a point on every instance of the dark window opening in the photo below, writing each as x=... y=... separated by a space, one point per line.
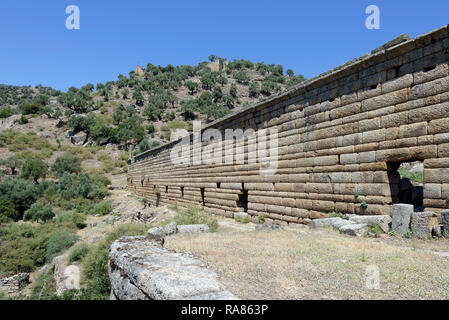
x=406 y=183
x=182 y=192
x=243 y=200
x=166 y=189
x=430 y=68
x=218 y=185
x=202 y=197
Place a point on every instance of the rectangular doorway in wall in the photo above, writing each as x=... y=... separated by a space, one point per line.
x=406 y=182
x=243 y=201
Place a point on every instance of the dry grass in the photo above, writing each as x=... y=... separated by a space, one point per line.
x=317 y=265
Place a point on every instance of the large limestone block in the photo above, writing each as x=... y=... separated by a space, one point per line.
x=383 y=221
x=158 y=273
x=422 y=224
x=355 y=229
x=402 y=214
x=324 y=223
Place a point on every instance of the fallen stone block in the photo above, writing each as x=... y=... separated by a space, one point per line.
x=422 y=224
x=324 y=223
x=340 y=223
x=193 y=228
x=383 y=221
x=141 y=269
x=156 y=232
x=241 y=216
x=437 y=231
x=170 y=228
x=402 y=214
x=355 y=229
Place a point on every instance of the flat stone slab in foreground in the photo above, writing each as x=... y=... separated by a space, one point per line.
x=141 y=269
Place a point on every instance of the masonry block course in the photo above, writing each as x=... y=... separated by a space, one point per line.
x=338 y=134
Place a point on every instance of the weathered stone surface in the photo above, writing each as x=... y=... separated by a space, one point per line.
x=421 y=225
x=241 y=216
x=445 y=220
x=140 y=269
x=402 y=214
x=382 y=221
x=156 y=232
x=170 y=228
x=15 y=284
x=324 y=223
x=79 y=139
x=355 y=229
x=193 y=228
x=67 y=277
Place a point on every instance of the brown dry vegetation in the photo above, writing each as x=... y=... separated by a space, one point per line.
x=320 y=264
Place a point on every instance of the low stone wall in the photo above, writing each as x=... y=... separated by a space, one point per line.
x=142 y=269
x=341 y=138
x=12 y=286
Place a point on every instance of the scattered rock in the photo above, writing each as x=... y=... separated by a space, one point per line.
x=355 y=229
x=170 y=228
x=69 y=134
x=241 y=216
x=402 y=214
x=141 y=269
x=14 y=285
x=340 y=223
x=1 y=124
x=382 y=221
x=156 y=232
x=79 y=139
x=193 y=228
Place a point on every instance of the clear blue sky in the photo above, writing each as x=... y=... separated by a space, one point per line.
x=309 y=37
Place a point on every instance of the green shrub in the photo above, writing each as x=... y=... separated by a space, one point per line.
x=194 y=215
x=66 y=163
x=44 y=288
x=58 y=242
x=23 y=120
x=7 y=211
x=69 y=218
x=78 y=252
x=103 y=208
x=39 y=212
x=95 y=274
x=23 y=246
x=6 y=113
x=75 y=185
x=23 y=193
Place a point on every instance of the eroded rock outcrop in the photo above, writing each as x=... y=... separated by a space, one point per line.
x=140 y=268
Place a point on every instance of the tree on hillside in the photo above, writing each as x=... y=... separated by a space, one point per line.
x=138 y=96
x=192 y=86
x=213 y=58
x=12 y=163
x=34 y=168
x=290 y=73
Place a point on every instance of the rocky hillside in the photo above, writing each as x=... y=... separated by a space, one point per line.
x=144 y=107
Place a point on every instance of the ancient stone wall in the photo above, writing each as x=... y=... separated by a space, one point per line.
x=341 y=137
